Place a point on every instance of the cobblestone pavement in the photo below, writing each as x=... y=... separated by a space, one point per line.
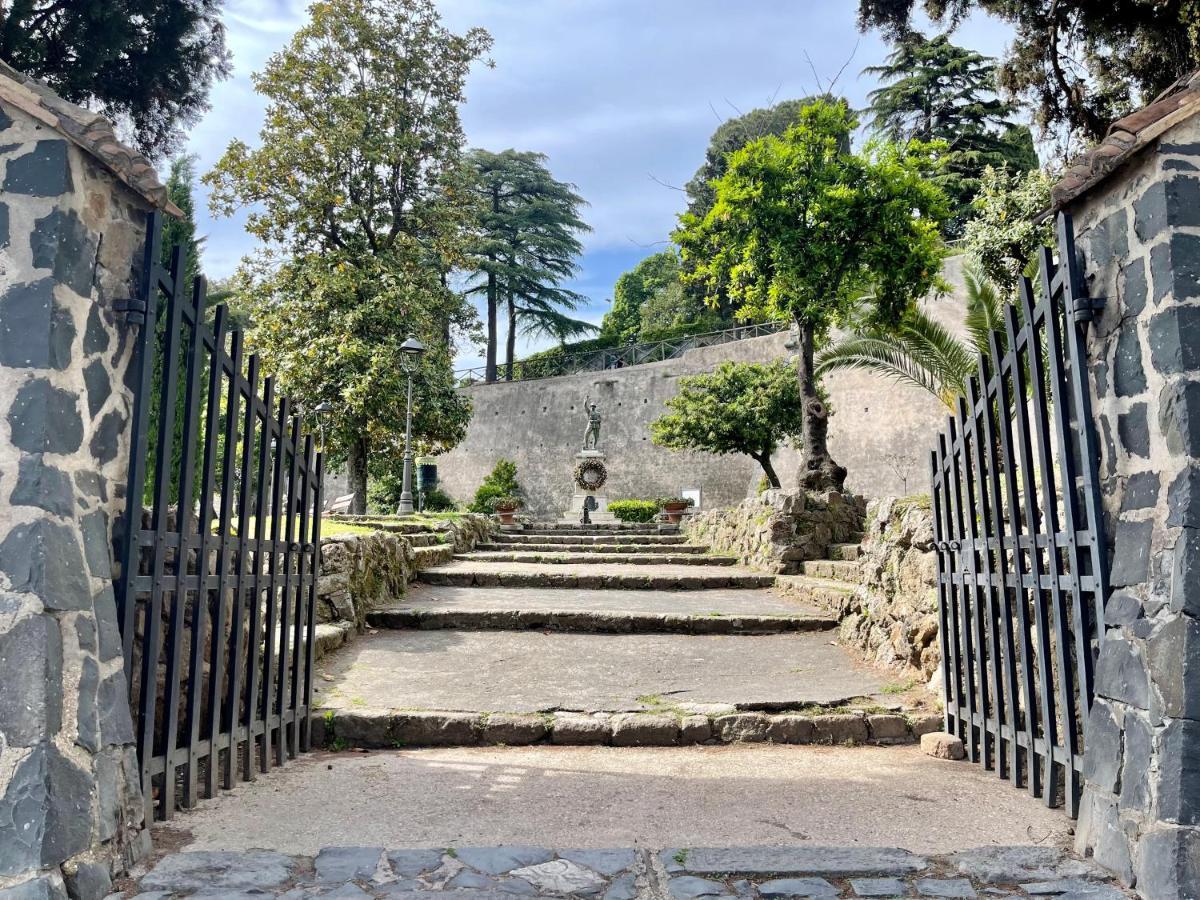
x=624 y=874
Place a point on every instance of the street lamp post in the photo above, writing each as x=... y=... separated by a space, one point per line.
x=324 y=408
x=412 y=350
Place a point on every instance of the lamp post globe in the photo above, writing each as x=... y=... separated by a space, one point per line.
x=412 y=350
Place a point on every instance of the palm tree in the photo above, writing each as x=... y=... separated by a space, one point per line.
x=922 y=351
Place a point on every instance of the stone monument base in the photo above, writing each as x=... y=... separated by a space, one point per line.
x=600 y=515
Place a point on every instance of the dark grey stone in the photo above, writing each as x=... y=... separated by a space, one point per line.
x=88 y=717
x=1134 y=288
x=1106 y=241
x=623 y=888
x=1150 y=212
x=4 y=235
x=797 y=887
x=23 y=814
x=1141 y=491
x=1131 y=553
x=62 y=243
x=1179 y=768
x=92 y=485
x=45 y=419
x=689 y=887
x=45 y=171
x=44 y=558
x=96 y=547
x=878 y=887
x=5 y=120
x=1134 y=432
x=1174 y=659
x=36 y=332
x=1135 y=770
x=337 y=864
x=1185 y=573
x=105 y=441
x=471 y=880
x=1183 y=498
x=1179 y=417
x=1174 y=340
x=109 y=791
x=944 y=887
x=219 y=873
x=1122 y=608
x=31 y=668
x=115 y=718
x=831 y=862
x=68 y=803
x=45 y=887
x=98 y=384
x=606 y=862
x=95 y=335
x=1129 y=378
x=43 y=486
x=85 y=633
x=1073 y=888
x=1102 y=761
x=1185 y=265
x=499 y=860
x=1192 y=149
x=1179 y=165
x=1011 y=865
x=90 y=881
x=411 y=863
x=1121 y=673
x=105 y=604
x=1161 y=277
x=1168 y=862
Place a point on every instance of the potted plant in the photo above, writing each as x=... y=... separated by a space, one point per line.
x=506 y=507
x=674 y=507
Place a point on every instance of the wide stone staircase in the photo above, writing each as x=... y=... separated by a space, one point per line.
x=608 y=634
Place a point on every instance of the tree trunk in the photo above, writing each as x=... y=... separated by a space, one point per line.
x=511 y=343
x=356 y=466
x=818 y=471
x=489 y=374
x=764 y=460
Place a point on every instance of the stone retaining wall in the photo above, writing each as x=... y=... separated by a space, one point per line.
x=777 y=531
x=892 y=615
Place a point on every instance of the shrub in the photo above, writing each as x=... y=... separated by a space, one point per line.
x=437 y=500
x=501 y=483
x=506 y=502
x=672 y=501
x=634 y=510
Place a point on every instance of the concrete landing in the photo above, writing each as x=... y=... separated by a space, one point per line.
x=615 y=575
x=499 y=671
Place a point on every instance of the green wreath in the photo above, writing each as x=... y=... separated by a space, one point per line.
x=597 y=480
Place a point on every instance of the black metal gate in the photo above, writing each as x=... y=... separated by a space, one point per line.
x=1021 y=561
x=217 y=551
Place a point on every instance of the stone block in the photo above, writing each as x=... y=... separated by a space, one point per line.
x=45 y=419
x=1183 y=498
x=571 y=728
x=1173 y=654
x=840 y=728
x=922 y=724
x=1168 y=863
x=1015 y=865
x=1121 y=673
x=1174 y=340
x=1134 y=432
x=89 y=881
x=514 y=730
x=1179 y=417
x=942 y=745
x=31 y=670
x=1185 y=572
x=1134 y=288
x=644 y=730
x=1135 y=768
x=38 y=331
x=888 y=729
x=1129 y=378
x=790 y=728
x=435 y=729
x=1102 y=762
x=695 y=729
x=45 y=171
x=1131 y=553
x=371 y=728
x=741 y=727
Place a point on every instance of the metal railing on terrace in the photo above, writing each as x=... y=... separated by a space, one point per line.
x=554 y=364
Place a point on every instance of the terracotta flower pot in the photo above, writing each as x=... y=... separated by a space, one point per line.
x=506 y=515
x=675 y=512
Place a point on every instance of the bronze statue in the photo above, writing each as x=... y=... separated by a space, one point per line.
x=591 y=435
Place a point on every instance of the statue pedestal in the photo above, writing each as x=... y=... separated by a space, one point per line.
x=600 y=515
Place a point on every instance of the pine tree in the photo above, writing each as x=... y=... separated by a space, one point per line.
x=937 y=91
x=525 y=245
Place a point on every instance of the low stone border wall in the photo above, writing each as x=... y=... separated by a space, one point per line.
x=777 y=531
x=891 y=616
x=390 y=728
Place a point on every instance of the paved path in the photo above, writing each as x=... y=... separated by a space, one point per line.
x=365 y=872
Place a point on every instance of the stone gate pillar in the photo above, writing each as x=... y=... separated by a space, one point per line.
x=1136 y=205
x=73 y=204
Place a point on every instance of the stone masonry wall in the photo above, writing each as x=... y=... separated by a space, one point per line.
x=1139 y=237
x=70 y=807
x=776 y=531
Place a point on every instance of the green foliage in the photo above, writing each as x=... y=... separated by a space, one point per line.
x=920 y=350
x=356 y=192
x=524 y=246
x=634 y=510
x=936 y=91
x=1079 y=65
x=437 y=500
x=502 y=482
x=738 y=408
x=654 y=276
x=505 y=502
x=662 y=502
x=1003 y=237
x=149 y=63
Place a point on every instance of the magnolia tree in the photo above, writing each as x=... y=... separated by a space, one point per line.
x=738 y=408
x=802 y=229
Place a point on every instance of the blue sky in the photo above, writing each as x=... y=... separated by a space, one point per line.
x=617 y=93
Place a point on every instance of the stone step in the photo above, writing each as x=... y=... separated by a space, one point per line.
x=607 y=575
x=839 y=570
x=386 y=728
x=594 y=540
x=846 y=552
x=602 y=611
x=570 y=558
x=428 y=539
x=621 y=529
x=665 y=549
x=428 y=557
x=826 y=593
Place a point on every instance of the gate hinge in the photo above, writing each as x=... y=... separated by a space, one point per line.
x=134 y=310
x=1086 y=308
